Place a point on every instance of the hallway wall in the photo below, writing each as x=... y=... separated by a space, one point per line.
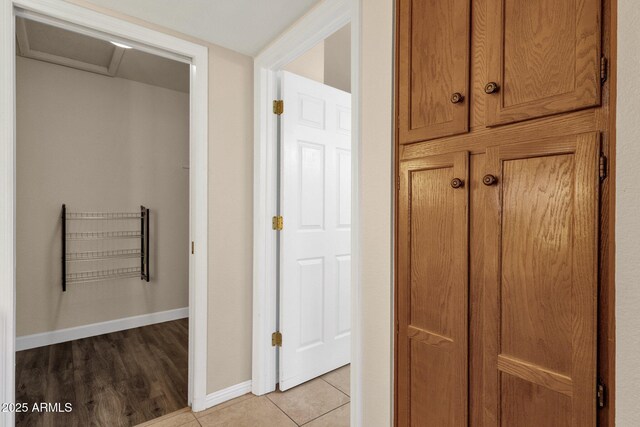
x=376 y=189
x=627 y=233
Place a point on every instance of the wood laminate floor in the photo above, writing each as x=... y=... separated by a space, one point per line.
x=119 y=379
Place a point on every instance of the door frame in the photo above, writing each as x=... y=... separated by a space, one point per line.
x=75 y=17
x=319 y=23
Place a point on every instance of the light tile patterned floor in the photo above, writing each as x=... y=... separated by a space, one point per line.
x=323 y=402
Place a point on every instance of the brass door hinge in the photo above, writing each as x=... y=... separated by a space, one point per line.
x=601 y=395
x=277 y=223
x=276 y=339
x=604 y=69
x=603 y=167
x=278 y=106
x=193 y=247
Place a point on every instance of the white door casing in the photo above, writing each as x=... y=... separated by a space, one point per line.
x=315 y=243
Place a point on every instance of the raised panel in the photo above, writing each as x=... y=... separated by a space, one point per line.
x=343 y=120
x=433 y=65
x=311 y=175
x=536 y=260
x=343 y=303
x=432 y=277
x=541 y=283
x=343 y=192
x=544 y=55
x=525 y=404
x=432 y=308
x=432 y=385
x=311 y=285
x=311 y=111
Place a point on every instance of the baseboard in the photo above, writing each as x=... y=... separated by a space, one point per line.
x=63 y=335
x=226 y=394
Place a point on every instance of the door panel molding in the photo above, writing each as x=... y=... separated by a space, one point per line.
x=433 y=67
x=432 y=291
x=544 y=72
x=559 y=190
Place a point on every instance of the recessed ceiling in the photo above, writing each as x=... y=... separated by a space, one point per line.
x=44 y=42
x=245 y=26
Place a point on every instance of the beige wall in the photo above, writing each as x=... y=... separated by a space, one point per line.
x=328 y=62
x=97 y=143
x=230 y=208
x=375 y=181
x=310 y=64
x=230 y=217
x=337 y=59
x=627 y=390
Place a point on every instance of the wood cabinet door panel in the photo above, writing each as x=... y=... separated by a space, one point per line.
x=433 y=292
x=433 y=65
x=545 y=57
x=540 y=297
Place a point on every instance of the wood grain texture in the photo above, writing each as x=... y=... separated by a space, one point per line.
x=433 y=292
x=536 y=282
x=476 y=285
x=433 y=339
x=479 y=139
x=606 y=118
x=119 y=379
x=540 y=296
x=433 y=64
x=552 y=128
x=545 y=56
x=527 y=404
x=478 y=66
x=536 y=374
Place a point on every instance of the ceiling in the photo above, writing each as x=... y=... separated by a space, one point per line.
x=43 y=42
x=245 y=26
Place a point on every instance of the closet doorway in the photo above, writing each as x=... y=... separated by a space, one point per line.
x=109 y=232
x=102 y=284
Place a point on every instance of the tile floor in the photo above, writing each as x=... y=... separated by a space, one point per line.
x=323 y=402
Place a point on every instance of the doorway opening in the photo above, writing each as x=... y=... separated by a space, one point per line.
x=109 y=280
x=308 y=297
x=102 y=182
x=314 y=249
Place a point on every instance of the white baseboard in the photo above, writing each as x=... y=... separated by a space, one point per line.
x=226 y=394
x=63 y=335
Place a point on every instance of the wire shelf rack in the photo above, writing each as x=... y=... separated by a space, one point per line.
x=102 y=255
x=104 y=235
x=141 y=253
x=102 y=215
x=96 y=276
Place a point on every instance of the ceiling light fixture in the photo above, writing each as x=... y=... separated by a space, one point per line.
x=124 y=46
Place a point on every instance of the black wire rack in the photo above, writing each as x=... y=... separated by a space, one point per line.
x=142 y=234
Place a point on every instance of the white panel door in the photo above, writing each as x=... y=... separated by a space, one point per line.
x=315 y=245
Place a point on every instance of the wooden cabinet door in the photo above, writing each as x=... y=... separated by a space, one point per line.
x=540 y=297
x=432 y=304
x=433 y=56
x=545 y=57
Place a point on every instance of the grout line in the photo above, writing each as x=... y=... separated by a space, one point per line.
x=337 y=388
x=229 y=405
x=282 y=410
x=320 y=416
